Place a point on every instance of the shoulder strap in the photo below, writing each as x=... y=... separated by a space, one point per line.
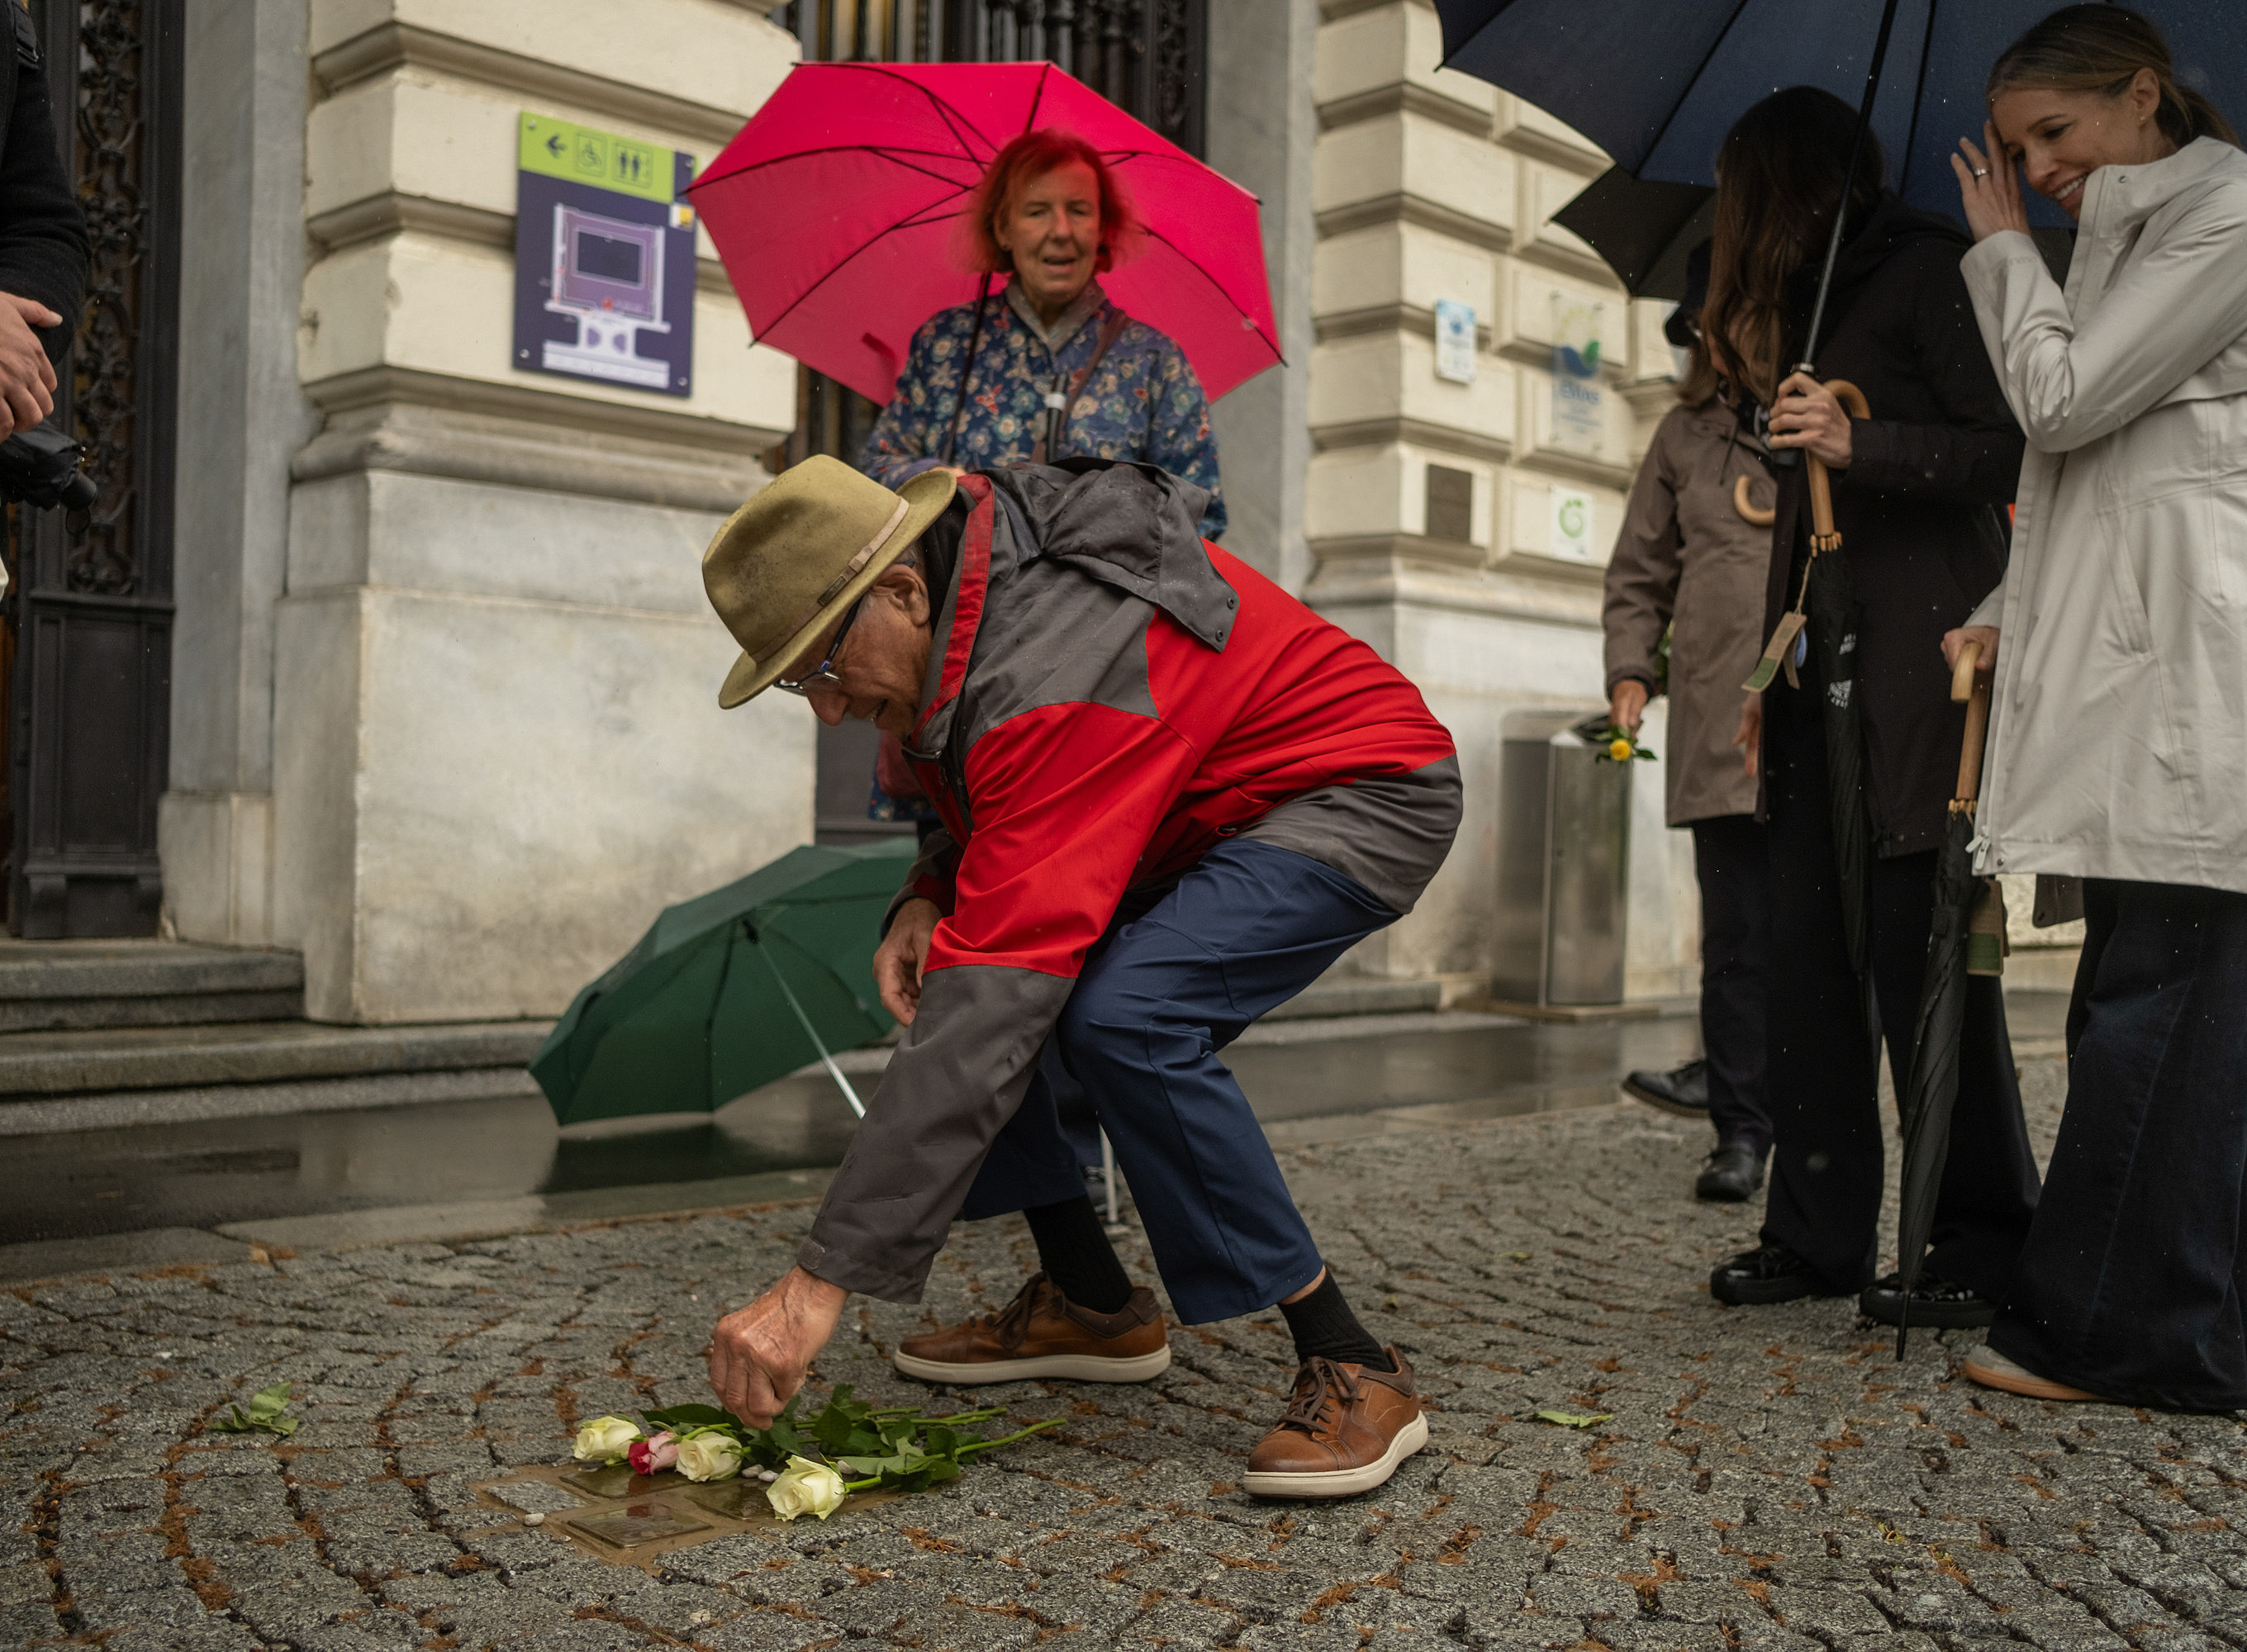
x=1111 y=330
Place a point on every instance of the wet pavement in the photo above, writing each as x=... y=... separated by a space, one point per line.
x=1747 y=1480
x=1409 y=1071
x=212 y=1171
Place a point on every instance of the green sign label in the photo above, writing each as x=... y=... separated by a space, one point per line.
x=605 y=159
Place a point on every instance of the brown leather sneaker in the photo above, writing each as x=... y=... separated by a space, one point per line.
x=1345 y=1432
x=1042 y=1332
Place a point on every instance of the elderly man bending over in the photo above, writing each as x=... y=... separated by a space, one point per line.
x=1171 y=796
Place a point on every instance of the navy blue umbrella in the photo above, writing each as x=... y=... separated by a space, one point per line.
x=1656 y=83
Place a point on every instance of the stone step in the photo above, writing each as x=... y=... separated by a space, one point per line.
x=1358 y=995
x=57 y=986
x=91 y=1061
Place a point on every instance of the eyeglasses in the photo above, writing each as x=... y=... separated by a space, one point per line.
x=822 y=674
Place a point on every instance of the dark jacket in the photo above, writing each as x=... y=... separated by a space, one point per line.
x=1921 y=509
x=42 y=240
x=1108 y=698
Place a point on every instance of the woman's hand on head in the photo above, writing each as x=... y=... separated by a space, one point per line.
x=1805 y=415
x=1989 y=187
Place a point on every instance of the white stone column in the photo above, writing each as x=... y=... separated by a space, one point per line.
x=241 y=415
x=1431 y=505
x=496 y=749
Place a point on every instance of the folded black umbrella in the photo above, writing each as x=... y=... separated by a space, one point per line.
x=1932 y=1095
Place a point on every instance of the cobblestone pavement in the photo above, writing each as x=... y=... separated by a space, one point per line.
x=1770 y=1479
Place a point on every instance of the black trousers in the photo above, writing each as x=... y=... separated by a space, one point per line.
x=1822 y=1080
x=1733 y=865
x=2131 y=1280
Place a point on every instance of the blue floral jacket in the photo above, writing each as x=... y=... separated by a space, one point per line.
x=1144 y=403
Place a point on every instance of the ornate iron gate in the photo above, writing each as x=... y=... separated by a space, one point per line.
x=90 y=612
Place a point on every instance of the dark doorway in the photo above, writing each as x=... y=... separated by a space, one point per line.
x=1148 y=57
x=89 y=613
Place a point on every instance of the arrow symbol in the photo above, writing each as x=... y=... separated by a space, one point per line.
x=554 y=146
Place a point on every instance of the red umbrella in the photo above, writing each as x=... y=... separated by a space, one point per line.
x=836 y=210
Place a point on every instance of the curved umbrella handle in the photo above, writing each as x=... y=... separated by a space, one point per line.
x=1822 y=534
x=1749 y=513
x=1976 y=696
x=1962 y=674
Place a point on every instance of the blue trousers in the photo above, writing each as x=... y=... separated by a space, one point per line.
x=2132 y=1281
x=1160 y=995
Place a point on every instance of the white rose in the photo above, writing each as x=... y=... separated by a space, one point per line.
x=709 y=1457
x=805 y=1488
x=604 y=1439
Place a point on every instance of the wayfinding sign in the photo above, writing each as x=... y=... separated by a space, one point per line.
x=604 y=257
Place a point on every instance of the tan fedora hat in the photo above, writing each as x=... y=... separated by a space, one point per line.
x=786 y=565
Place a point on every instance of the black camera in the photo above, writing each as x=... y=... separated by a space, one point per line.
x=40 y=467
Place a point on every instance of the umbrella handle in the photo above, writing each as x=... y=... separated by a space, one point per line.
x=1822 y=534
x=1970 y=751
x=1749 y=513
x=1962 y=674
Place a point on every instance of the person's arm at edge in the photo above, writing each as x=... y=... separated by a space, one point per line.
x=1641 y=585
x=42 y=235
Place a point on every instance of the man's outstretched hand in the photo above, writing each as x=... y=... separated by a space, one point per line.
x=898 y=960
x=759 y=1355
x=27 y=378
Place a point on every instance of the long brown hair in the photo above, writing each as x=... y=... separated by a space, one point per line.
x=2100 y=48
x=1013 y=169
x=1778 y=181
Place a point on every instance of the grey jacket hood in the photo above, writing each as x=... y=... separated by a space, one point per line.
x=1130 y=525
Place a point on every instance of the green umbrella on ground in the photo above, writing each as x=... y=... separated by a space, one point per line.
x=731 y=990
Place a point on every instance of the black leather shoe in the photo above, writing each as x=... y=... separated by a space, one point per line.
x=1682 y=1090
x=1770 y=1273
x=1938 y=1304
x=1730 y=1174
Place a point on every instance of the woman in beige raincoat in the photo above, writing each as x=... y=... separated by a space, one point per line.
x=2118 y=740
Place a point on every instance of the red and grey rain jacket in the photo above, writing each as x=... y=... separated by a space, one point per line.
x=1109 y=697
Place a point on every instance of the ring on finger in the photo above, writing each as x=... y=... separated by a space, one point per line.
x=1981 y=172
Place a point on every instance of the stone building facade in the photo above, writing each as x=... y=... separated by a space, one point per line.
x=444 y=705
x=443 y=711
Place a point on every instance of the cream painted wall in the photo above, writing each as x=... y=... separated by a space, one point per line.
x=495 y=748
x=1430 y=186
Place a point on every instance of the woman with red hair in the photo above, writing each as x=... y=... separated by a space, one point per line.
x=1047 y=367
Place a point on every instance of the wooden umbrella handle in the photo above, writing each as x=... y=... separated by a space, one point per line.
x=1976 y=696
x=1823 y=535
x=1749 y=513
x=1962 y=674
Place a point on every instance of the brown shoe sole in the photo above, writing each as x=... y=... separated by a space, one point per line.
x=2028 y=1384
x=1069 y=1368
x=1342 y=1482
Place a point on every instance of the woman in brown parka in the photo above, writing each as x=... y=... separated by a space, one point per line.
x=1687 y=563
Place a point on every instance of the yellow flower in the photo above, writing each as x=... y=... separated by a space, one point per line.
x=604 y=1439
x=1619 y=748
x=805 y=1488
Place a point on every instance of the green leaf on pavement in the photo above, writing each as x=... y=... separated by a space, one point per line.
x=265 y=1414
x=1576 y=1419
